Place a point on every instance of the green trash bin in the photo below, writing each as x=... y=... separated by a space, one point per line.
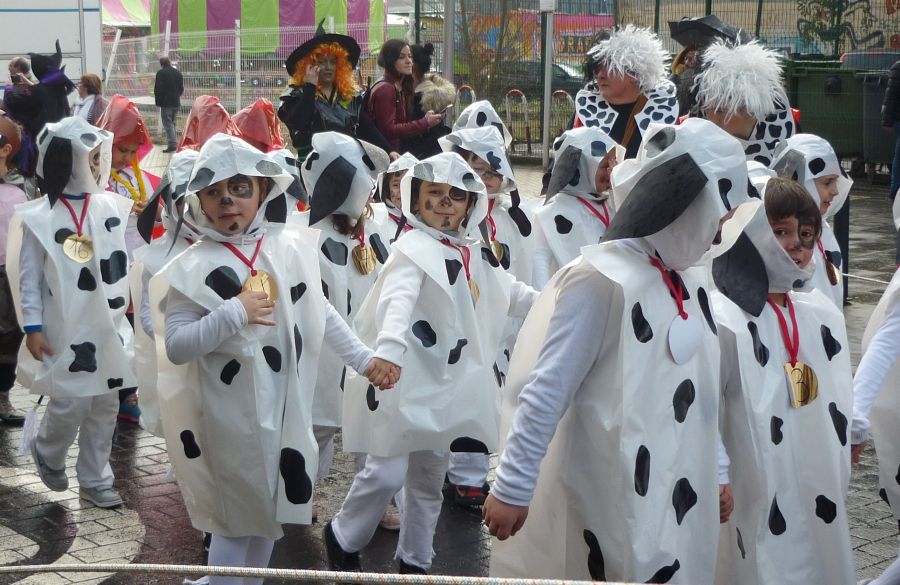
x=830 y=101
x=878 y=145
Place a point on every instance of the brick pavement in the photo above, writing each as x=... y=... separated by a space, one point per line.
x=39 y=526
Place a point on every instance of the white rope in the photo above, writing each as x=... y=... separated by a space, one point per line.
x=284 y=574
x=867 y=279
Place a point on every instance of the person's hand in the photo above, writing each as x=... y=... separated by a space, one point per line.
x=257 y=305
x=856 y=451
x=37 y=345
x=394 y=155
x=726 y=503
x=433 y=119
x=503 y=520
x=138 y=207
x=383 y=373
x=311 y=75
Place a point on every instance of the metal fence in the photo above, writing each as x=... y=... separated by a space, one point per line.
x=498 y=47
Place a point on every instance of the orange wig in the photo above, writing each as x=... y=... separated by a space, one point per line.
x=343 y=74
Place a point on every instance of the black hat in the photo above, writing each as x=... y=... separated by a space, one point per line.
x=323 y=38
x=705 y=30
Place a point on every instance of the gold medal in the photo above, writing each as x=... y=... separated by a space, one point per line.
x=262 y=281
x=497 y=248
x=834 y=274
x=364 y=258
x=803 y=383
x=79 y=248
x=473 y=288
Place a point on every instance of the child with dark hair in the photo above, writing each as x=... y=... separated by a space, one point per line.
x=437 y=310
x=786 y=396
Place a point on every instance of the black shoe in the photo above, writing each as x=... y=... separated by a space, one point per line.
x=338 y=558
x=207 y=540
x=169 y=149
x=407 y=569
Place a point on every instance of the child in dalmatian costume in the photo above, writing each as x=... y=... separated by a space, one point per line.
x=126 y=178
x=438 y=311
x=577 y=210
x=811 y=161
x=630 y=89
x=337 y=177
x=628 y=488
x=68 y=272
x=509 y=232
x=149 y=260
x=739 y=88
x=876 y=404
x=260 y=126
x=387 y=208
x=790 y=465
x=243 y=309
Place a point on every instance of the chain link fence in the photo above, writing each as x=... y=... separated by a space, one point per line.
x=498 y=48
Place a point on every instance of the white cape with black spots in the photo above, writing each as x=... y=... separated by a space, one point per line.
x=238 y=421
x=83 y=304
x=149 y=259
x=628 y=490
x=594 y=112
x=448 y=388
x=819 y=280
x=566 y=226
x=790 y=467
x=518 y=248
x=885 y=415
x=761 y=144
x=345 y=288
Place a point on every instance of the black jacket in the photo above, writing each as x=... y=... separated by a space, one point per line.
x=168 y=87
x=890 y=109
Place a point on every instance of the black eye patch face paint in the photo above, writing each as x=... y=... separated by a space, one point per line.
x=241 y=186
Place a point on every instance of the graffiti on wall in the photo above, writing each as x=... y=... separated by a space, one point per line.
x=835 y=26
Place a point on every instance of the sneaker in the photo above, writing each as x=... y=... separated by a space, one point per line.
x=129 y=411
x=9 y=414
x=169 y=150
x=407 y=569
x=56 y=480
x=207 y=540
x=101 y=496
x=338 y=558
x=469 y=496
x=391 y=518
x=200 y=581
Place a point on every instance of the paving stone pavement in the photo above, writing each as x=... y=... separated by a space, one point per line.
x=38 y=526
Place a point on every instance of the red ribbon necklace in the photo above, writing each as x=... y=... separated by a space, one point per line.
x=79 y=221
x=677 y=293
x=464 y=253
x=248 y=261
x=791 y=345
x=490 y=219
x=602 y=214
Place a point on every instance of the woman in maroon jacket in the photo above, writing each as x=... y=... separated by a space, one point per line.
x=391 y=98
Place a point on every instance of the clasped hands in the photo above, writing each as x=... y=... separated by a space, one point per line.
x=382 y=373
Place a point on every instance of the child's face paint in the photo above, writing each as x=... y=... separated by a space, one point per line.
x=492 y=179
x=827 y=187
x=231 y=204
x=122 y=154
x=442 y=207
x=797 y=240
x=394 y=185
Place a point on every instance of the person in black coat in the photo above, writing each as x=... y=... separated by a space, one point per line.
x=167 y=92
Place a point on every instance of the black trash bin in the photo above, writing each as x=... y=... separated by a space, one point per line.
x=878 y=146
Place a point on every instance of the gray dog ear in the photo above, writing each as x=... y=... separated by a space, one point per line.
x=57 y=169
x=740 y=274
x=331 y=189
x=789 y=164
x=564 y=170
x=645 y=212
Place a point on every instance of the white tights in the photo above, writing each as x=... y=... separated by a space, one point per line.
x=891 y=575
x=241 y=551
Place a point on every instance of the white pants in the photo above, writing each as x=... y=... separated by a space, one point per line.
x=325 y=439
x=93 y=419
x=241 y=551
x=469 y=469
x=421 y=475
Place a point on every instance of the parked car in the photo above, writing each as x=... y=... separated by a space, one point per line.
x=528 y=77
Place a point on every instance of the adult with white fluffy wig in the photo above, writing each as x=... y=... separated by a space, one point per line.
x=630 y=88
x=740 y=90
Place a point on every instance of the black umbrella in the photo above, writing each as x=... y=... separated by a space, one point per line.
x=703 y=31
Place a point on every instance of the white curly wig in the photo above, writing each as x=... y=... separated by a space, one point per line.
x=747 y=77
x=633 y=51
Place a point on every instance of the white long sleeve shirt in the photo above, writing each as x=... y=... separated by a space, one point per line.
x=883 y=351
x=192 y=332
x=31 y=277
